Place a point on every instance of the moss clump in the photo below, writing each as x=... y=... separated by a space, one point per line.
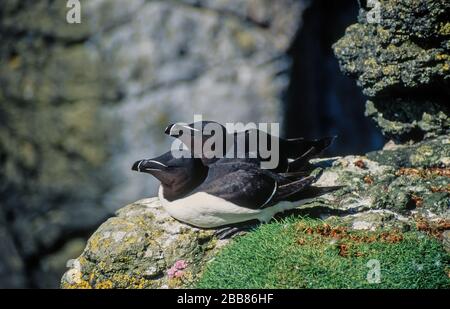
x=312 y=254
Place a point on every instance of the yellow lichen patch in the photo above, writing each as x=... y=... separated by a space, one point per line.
x=107 y=284
x=442 y=56
x=211 y=245
x=97 y=241
x=245 y=40
x=421 y=154
x=445 y=29
x=389 y=69
x=371 y=63
x=83 y=284
x=383 y=33
x=117 y=281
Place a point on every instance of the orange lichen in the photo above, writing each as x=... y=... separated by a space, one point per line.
x=435 y=228
x=440 y=189
x=343 y=250
x=423 y=172
x=368 y=179
x=417 y=200
x=342 y=233
x=360 y=164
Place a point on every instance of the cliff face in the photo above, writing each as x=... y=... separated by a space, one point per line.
x=70 y=94
x=401 y=60
x=54 y=140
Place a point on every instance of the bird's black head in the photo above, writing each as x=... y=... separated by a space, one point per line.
x=203 y=128
x=195 y=135
x=178 y=176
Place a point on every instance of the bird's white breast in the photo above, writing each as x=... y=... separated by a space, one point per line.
x=207 y=211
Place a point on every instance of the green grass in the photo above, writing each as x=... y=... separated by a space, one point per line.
x=309 y=254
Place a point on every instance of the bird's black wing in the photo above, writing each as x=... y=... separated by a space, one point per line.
x=240 y=184
x=285 y=191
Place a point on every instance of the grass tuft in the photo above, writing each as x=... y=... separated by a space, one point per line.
x=309 y=253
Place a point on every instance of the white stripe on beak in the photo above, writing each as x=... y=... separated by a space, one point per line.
x=159 y=163
x=182 y=126
x=139 y=165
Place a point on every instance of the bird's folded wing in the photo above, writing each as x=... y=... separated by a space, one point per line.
x=291 y=188
x=246 y=188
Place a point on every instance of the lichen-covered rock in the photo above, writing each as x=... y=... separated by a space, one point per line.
x=138 y=247
x=403 y=119
x=402 y=188
x=401 y=60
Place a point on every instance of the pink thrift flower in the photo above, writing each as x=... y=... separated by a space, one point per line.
x=181 y=264
x=171 y=272
x=176 y=270
x=179 y=274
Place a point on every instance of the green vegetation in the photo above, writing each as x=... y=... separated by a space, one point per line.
x=310 y=253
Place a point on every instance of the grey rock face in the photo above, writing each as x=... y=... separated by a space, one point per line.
x=402 y=63
x=142 y=246
x=11 y=267
x=53 y=139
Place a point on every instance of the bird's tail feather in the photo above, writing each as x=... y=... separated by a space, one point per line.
x=296 y=147
x=312 y=192
x=295 y=175
x=306 y=150
x=293 y=187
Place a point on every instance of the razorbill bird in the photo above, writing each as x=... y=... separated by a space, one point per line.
x=232 y=192
x=294 y=154
x=180 y=176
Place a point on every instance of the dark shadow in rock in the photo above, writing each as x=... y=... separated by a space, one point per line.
x=314 y=212
x=229 y=231
x=320 y=100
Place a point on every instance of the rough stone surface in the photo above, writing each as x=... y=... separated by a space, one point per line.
x=402 y=188
x=53 y=137
x=137 y=247
x=402 y=63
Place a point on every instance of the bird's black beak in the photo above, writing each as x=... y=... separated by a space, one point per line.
x=148 y=166
x=168 y=129
x=174 y=130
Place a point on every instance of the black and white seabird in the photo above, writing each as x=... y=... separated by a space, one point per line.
x=232 y=191
x=294 y=154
